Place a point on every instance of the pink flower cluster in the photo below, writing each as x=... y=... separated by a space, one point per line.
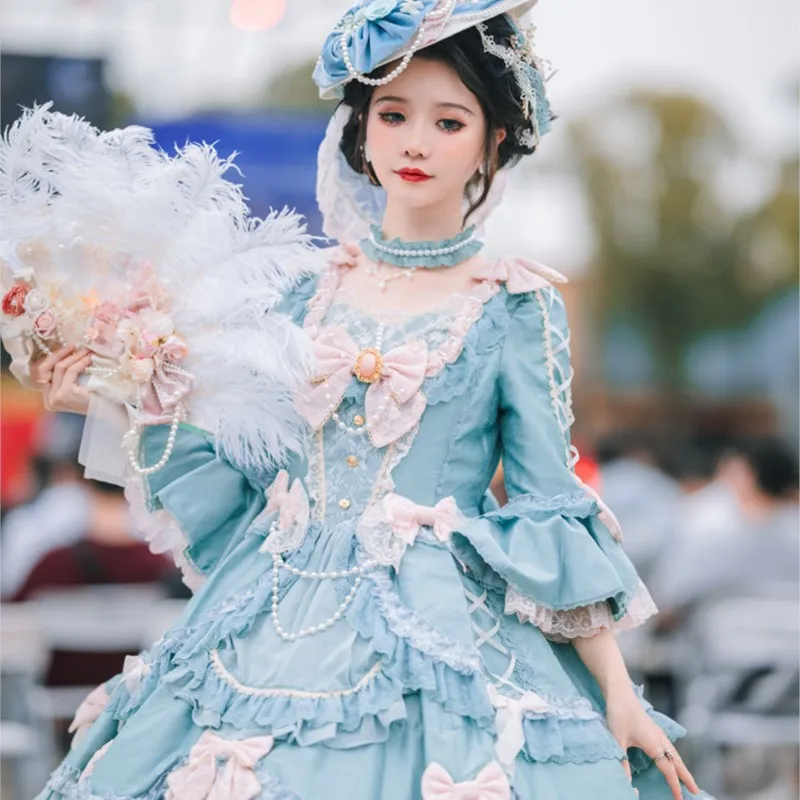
x=135 y=330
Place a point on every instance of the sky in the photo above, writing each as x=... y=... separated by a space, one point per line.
x=175 y=56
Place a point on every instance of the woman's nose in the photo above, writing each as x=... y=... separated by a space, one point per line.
x=417 y=144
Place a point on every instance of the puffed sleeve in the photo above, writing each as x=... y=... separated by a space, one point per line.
x=555 y=545
x=197 y=506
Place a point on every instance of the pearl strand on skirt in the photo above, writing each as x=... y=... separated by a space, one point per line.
x=278 y=563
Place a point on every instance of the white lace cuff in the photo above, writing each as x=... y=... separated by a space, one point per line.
x=161 y=531
x=585 y=621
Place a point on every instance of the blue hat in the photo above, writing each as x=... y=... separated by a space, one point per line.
x=378 y=32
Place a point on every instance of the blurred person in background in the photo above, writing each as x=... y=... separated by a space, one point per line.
x=58 y=513
x=106 y=552
x=739 y=536
x=644 y=498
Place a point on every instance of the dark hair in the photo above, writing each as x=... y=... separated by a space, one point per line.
x=486 y=76
x=773 y=464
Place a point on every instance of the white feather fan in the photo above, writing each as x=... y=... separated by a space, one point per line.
x=96 y=220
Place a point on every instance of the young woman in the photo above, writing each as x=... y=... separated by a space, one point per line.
x=376 y=626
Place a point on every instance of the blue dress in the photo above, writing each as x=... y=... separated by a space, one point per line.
x=373 y=625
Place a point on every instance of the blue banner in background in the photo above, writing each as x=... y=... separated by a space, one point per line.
x=277 y=155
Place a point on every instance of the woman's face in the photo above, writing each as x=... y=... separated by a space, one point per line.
x=425 y=135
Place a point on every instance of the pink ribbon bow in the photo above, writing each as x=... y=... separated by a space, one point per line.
x=491 y=783
x=406 y=517
x=393 y=404
x=519 y=274
x=291 y=504
x=293 y=511
x=201 y=779
x=392 y=524
x=88 y=711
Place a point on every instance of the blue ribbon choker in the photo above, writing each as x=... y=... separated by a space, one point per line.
x=425 y=255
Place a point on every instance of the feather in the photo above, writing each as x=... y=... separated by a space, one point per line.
x=81 y=207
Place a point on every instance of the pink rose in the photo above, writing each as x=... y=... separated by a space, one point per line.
x=141 y=369
x=107 y=312
x=156 y=325
x=45 y=324
x=174 y=349
x=14 y=300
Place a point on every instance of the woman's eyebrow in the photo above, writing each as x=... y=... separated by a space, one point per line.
x=458 y=106
x=391 y=98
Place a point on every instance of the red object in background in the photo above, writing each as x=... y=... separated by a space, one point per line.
x=588 y=470
x=19 y=418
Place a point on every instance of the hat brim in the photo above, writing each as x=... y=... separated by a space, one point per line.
x=456 y=24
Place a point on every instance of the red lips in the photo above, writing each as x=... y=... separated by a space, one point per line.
x=413 y=175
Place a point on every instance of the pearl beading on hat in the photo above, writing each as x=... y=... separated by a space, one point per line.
x=278 y=563
x=416 y=44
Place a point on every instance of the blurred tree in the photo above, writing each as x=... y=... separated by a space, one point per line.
x=293 y=88
x=676 y=256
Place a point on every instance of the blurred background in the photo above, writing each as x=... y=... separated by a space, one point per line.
x=667 y=193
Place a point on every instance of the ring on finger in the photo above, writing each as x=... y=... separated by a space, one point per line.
x=44 y=380
x=665 y=754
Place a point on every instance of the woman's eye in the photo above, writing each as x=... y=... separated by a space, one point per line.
x=450 y=125
x=392 y=117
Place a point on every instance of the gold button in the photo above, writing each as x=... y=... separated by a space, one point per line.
x=358 y=420
x=352 y=461
x=344 y=503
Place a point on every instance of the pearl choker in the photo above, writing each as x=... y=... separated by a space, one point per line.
x=425 y=255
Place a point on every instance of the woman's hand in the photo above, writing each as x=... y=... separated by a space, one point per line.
x=632 y=727
x=58 y=375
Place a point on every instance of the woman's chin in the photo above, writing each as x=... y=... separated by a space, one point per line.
x=414 y=195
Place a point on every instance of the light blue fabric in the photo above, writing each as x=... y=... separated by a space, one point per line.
x=360 y=710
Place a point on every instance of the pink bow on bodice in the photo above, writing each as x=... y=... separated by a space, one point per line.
x=491 y=783
x=202 y=779
x=393 y=403
x=391 y=525
x=519 y=274
x=406 y=517
x=291 y=504
x=90 y=709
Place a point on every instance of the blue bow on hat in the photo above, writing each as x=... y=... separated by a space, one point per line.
x=374 y=33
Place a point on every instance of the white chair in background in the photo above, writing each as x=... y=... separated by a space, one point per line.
x=27 y=744
x=98 y=618
x=734 y=638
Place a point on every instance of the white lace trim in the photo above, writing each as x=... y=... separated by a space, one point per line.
x=561 y=626
x=161 y=530
x=560 y=380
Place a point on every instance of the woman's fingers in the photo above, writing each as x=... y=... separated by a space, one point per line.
x=65 y=364
x=683 y=773
x=42 y=370
x=65 y=394
x=668 y=770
